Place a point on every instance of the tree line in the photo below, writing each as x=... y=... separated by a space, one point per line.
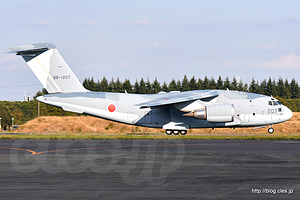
x=281 y=88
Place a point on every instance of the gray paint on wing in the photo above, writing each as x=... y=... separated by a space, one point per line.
x=112 y=96
x=171 y=98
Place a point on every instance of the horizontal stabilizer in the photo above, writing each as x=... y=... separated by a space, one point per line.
x=31 y=48
x=49 y=67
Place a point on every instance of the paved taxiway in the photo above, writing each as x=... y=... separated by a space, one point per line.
x=149 y=169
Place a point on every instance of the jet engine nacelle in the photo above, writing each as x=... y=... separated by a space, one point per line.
x=214 y=113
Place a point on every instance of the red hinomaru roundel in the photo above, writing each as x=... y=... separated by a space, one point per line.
x=111 y=108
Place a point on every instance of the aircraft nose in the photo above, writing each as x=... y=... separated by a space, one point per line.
x=287 y=114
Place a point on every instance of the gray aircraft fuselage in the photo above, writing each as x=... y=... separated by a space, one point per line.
x=249 y=109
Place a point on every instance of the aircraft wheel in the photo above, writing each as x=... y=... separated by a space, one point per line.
x=176 y=132
x=168 y=132
x=271 y=130
x=183 y=132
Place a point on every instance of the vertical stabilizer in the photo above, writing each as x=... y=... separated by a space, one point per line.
x=49 y=67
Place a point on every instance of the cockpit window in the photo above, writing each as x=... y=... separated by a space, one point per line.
x=274 y=103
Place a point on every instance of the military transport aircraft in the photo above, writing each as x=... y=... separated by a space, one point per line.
x=176 y=112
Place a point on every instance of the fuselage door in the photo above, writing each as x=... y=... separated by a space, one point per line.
x=246 y=118
x=149 y=118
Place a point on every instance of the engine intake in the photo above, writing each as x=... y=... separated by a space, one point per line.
x=214 y=113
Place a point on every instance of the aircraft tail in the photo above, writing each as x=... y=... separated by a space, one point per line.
x=49 y=67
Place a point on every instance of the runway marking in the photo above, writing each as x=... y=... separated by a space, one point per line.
x=33 y=152
x=147 y=146
x=57 y=150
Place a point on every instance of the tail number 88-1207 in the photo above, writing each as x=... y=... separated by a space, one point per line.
x=62 y=77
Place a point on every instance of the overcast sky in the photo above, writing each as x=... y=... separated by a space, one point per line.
x=148 y=39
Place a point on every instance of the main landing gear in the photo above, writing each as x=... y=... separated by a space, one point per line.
x=176 y=132
x=271 y=130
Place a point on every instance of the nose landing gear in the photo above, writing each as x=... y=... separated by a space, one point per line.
x=271 y=130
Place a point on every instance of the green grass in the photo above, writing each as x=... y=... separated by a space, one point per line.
x=144 y=136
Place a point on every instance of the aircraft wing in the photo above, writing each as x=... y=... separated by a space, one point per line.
x=179 y=97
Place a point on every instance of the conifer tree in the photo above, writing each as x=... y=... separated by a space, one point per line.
x=89 y=84
x=280 y=88
x=245 y=87
x=205 y=84
x=118 y=86
x=172 y=85
x=97 y=86
x=193 y=84
x=156 y=86
x=262 y=87
x=93 y=85
x=178 y=86
x=185 y=84
x=220 y=83
x=148 y=87
x=136 y=87
x=111 y=85
x=127 y=86
x=287 y=89
x=275 y=92
x=234 y=84
x=165 y=87
x=270 y=89
x=212 y=83
x=199 y=84
x=227 y=84
x=86 y=83
x=103 y=86
x=241 y=87
x=294 y=89
x=253 y=88
x=142 y=87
